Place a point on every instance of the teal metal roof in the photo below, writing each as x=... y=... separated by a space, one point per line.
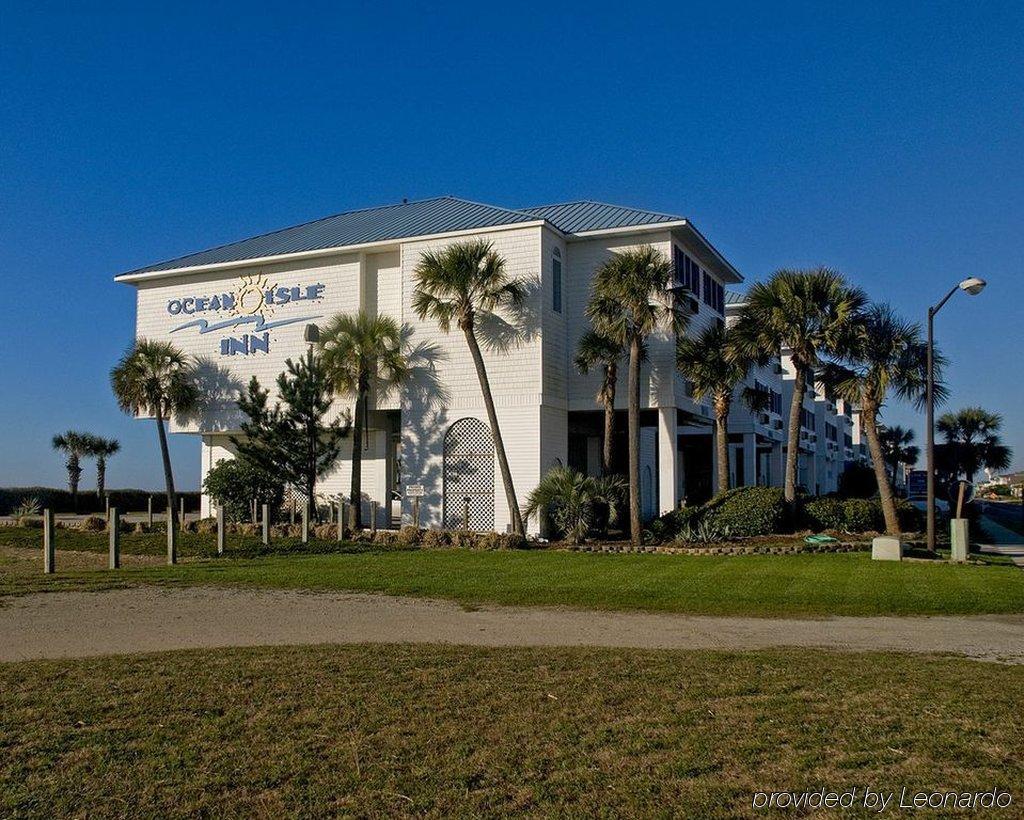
x=732 y=297
x=585 y=215
x=421 y=218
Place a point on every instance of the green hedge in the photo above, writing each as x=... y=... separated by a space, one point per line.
x=856 y=515
x=743 y=511
x=89 y=502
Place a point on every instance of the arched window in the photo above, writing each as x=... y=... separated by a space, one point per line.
x=469 y=475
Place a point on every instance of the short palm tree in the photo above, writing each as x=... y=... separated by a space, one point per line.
x=101 y=449
x=362 y=353
x=75 y=446
x=155 y=378
x=631 y=299
x=572 y=499
x=898 y=448
x=593 y=351
x=808 y=314
x=462 y=284
x=715 y=367
x=973 y=436
x=884 y=356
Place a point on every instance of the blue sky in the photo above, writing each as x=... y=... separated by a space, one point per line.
x=883 y=139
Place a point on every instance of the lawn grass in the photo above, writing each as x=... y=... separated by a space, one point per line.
x=457 y=731
x=757 y=585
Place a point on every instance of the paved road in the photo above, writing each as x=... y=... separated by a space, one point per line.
x=145 y=619
x=1005 y=514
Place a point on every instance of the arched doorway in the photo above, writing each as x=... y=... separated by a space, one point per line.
x=469 y=473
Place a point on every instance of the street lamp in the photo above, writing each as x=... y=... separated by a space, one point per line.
x=972 y=287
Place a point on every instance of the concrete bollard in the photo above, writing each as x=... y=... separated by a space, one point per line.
x=416 y=512
x=305 y=523
x=266 y=523
x=115 y=538
x=49 y=547
x=341 y=520
x=172 y=537
x=373 y=516
x=220 y=530
x=959 y=540
x=886 y=548
x=151 y=512
x=465 y=514
x=106 y=502
x=292 y=519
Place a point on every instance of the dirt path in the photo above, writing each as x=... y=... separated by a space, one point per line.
x=80 y=624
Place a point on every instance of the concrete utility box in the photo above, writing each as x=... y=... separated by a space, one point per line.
x=959 y=540
x=885 y=548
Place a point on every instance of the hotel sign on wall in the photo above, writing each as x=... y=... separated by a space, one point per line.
x=253 y=306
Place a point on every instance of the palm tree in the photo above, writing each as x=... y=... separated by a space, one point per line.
x=156 y=378
x=807 y=313
x=101 y=449
x=973 y=436
x=897 y=448
x=632 y=299
x=463 y=284
x=714 y=367
x=76 y=446
x=573 y=499
x=362 y=353
x=885 y=355
x=595 y=350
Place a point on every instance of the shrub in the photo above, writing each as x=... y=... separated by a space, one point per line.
x=857 y=481
x=747 y=511
x=488 y=541
x=94 y=523
x=206 y=526
x=824 y=514
x=671 y=524
x=89 y=501
x=910 y=517
x=571 y=500
x=30 y=523
x=863 y=515
x=325 y=532
x=235 y=483
x=409 y=536
x=387 y=538
x=27 y=507
x=460 y=539
x=511 y=541
x=435 y=539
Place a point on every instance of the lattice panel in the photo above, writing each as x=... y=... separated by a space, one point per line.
x=469 y=473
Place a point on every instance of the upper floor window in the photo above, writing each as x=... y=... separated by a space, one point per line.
x=687 y=271
x=556 y=282
x=714 y=293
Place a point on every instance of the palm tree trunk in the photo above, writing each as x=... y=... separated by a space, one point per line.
x=172 y=519
x=722 y=443
x=793 y=446
x=101 y=476
x=635 y=526
x=499 y=444
x=74 y=476
x=357 y=460
x=609 y=434
x=869 y=415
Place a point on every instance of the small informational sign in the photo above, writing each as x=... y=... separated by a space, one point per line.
x=415 y=491
x=917 y=483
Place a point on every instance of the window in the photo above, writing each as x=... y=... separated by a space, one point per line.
x=807 y=419
x=831 y=432
x=714 y=293
x=776 y=402
x=556 y=283
x=687 y=272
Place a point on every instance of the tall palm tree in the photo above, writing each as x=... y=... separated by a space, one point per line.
x=592 y=351
x=715 y=367
x=631 y=299
x=101 y=449
x=362 y=353
x=157 y=379
x=884 y=356
x=75 y=445
x=898 y=448
x=809 y=314
x=973 y=436
x=462 y=284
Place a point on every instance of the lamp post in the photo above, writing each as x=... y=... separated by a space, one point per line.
x=972 y=287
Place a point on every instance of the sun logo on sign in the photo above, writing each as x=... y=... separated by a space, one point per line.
x=250 y=298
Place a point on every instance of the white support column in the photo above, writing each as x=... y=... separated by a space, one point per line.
x=750 y=459
x=668 y=459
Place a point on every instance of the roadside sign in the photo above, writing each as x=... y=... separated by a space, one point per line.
x=415 y=491
x=917 y=483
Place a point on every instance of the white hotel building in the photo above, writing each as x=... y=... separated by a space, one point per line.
x=242 y=309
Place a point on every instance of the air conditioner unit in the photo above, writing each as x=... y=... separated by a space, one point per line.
x=778 y=424
x=762 y=418
x=803 y=434
x=814 y=438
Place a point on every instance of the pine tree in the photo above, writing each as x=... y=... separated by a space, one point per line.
x=292 y=440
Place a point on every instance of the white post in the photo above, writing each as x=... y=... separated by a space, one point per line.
x=668 y=459
x=305 y=523
x=151 y=512
x=373 y=516
x=49 y=548
x=416 y=511
x=172 y=544
x=341 y=520
x=220 y=529
x=115 y=538
x=266 y=523
x=181 y=505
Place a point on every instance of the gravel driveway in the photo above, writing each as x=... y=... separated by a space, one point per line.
x=146 y=619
